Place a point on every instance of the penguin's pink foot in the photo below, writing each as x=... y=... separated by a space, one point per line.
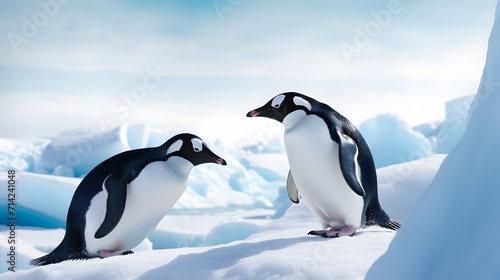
x=106 y=254
x=330 y=233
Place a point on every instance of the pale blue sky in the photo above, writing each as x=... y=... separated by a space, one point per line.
x=83 y=62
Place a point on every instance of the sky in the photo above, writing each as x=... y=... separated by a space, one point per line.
x=200 y=66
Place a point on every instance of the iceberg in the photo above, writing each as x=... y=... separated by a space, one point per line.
x=452 y=232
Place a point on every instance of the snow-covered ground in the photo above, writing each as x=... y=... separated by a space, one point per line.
x=222 y=242
x=281 y=250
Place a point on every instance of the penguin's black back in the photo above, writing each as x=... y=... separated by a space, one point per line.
x=129 y=163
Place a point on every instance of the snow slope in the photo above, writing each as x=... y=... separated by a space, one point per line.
x=281 y=250
x=453 y=231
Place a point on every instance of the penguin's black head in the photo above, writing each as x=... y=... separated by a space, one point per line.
x=282 y=105
x=191 y=148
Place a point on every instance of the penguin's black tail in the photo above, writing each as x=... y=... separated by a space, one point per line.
x=392 y=225
x=375 y=215
x=60 y=254
x=45 y=260
x=389 y=224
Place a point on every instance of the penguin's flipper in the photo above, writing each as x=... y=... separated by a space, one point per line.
x=348 y=157
x=293 y=193
x=116 y=186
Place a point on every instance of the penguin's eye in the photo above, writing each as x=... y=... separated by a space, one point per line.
x=197 y=145
x=277 y=101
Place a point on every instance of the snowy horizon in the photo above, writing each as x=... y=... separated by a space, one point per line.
x=168 y=64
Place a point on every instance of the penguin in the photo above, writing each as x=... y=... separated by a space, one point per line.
x=331 y=165
x=122 y=200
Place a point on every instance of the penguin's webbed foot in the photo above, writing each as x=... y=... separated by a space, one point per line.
x=106 y=254
x=317 y=232
x=330 y=233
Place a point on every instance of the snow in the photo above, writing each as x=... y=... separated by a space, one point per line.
x=452 y=233
x=81 y=151
x=393 y=141
x=41 y=200
x=401 y=185
x=453 y=126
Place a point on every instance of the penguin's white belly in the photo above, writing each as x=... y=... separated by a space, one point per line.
x=314 y=162
x=149 y=197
